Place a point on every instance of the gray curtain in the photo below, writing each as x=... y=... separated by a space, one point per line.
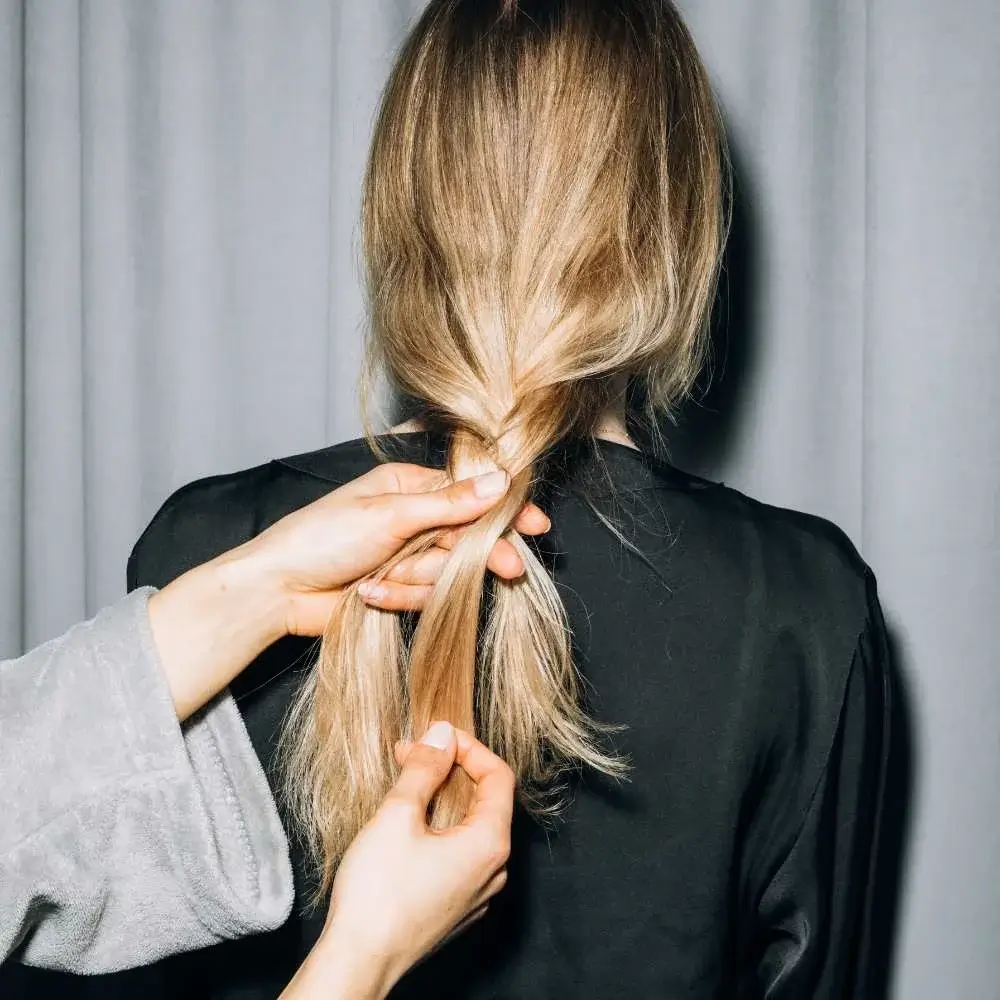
x=179 y=297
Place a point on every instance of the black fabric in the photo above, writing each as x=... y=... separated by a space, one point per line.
x=743 y=649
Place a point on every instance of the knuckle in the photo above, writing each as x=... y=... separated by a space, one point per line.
x=496 y=848
x=506 y=776
x=430 y=759
x=394 y=473
x=503 y=849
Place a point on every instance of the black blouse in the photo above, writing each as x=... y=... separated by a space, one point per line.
x=744 y=652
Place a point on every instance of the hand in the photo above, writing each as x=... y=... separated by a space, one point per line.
x=402 y=888
x=316 y=551
x=212 y=621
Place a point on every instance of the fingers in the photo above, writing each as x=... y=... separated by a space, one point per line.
x=494 y=885
x=532 y=521
x=394 y=477
x=407 y=586
x=457 y=503
x=491 y=813
x=504 y=561
x=401 y=751
x=476 y=914
x=424 y=568
x=388 y=595
x=464 y=924
x=416 y=503
x=493 y=804
x=400 y=478
x=403 y=478
x=475 y=758
x=426 y=766
x=409 y=594
x=494 y=780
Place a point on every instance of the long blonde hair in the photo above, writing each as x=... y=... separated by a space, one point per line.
x=542 y=216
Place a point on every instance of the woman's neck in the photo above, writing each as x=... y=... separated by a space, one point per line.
x=610 y=427
x=610 y=424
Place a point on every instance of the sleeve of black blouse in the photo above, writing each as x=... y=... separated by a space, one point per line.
x=815 y=914
x=197 y=523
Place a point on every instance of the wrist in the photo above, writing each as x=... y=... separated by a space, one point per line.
x=210 y=623
x=245 y=581
x=343 y=970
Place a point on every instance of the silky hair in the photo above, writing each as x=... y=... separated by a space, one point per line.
x=543 y=216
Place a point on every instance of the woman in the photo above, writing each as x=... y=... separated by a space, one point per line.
x=543 y=219
x=112 y=795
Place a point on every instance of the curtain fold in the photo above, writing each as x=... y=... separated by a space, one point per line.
x=179 y=297
x=11 y=328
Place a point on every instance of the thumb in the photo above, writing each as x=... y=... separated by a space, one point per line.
x=427 y=766
x=458 y=503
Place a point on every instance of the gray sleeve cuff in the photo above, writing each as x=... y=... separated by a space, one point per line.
x=227 y=840
x=133 y=838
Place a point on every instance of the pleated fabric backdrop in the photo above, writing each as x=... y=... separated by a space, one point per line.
x=179 y=296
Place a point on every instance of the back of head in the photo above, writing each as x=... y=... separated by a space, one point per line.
x=542 y=218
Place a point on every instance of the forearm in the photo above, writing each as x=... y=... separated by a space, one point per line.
x=336 y=971
x=210 y=623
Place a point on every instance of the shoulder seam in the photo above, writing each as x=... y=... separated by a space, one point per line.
x=288 y=463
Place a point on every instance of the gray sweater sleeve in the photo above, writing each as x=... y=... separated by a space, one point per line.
x=125 y=837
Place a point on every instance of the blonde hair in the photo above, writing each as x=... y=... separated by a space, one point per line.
x=543 y=215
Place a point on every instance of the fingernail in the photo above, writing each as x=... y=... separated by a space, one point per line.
x=490 y=484
x=438 y=736
x=371 y=591
x=548 y=524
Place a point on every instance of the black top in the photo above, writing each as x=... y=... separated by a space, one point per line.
x=745 y=653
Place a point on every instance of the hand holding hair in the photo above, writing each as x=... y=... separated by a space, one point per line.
x=96 y=694
x=318 y=551
x=402 y=889
x=212 y=621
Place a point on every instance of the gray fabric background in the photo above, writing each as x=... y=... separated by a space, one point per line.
x=178 y=297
